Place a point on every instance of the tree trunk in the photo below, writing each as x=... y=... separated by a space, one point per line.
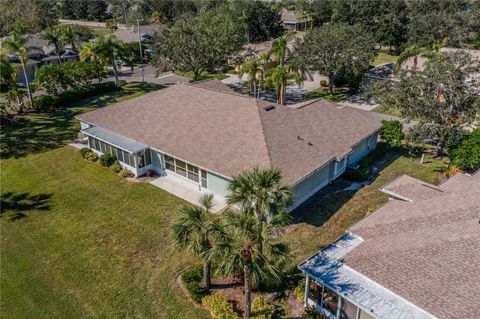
x=115 y=72
x=28 y=86
x=281 y=95
x=248 y=293
x=330 y=85
x=206 y=275
x=57 y=51
x=254 y=88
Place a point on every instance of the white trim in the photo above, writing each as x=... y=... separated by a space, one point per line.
x=105 y=141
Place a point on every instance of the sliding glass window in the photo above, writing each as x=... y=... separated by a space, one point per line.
x=180 y=167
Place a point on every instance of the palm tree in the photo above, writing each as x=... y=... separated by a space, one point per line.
x=415 y=51
x=70 y=36
x=105 y=49
x=194 y=230
x=53 y=36
x=279 y=77
x=279 y=50
x=18 y=45
x=237 y=252
x=8 y=73
x=263 y=192
x=254 y=71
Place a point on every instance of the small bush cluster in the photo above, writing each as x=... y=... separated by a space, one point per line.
x=312 y=313
x=466 y=155
x=261 y=308
x=125 y=173
x=453 y=170
x=392 y=133
x=115 y=167
x=363 y=172
x=323 y=83
x=88 y=154
x=191 y=281
x=107 y=160
x=299 y=290
x=52 y=101
x=219 y=307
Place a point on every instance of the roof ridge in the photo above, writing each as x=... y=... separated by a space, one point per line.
x=217 y=90
x=269 y=156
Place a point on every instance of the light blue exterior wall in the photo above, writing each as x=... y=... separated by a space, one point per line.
x=157 y=165
x=217 y=184
x=362 y=149
x=311 y=185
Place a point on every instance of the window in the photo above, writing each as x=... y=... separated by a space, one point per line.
x=148 y=158
x=204 y=178
x=181 y=167
x=120 y=155
x=97 y=145
x=131 y=158
x=192 y=172
x=170 y=163
x=109 y=149
x=349 y=310
x=90 y=142
x=330 y=301
x=126 y=158
x=141 y=159
x=102 y=147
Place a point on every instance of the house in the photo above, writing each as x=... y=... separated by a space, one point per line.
x=31 y=68
x=419 y=61
x=203 y=134
x=291 y=21
x=417 y=257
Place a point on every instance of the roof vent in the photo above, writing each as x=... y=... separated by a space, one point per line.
x=269 y=107
x=300 y=138
x=309 y=143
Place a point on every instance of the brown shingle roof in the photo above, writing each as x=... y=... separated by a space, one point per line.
x=426 y=250
x=228 y=133
x=291 y=16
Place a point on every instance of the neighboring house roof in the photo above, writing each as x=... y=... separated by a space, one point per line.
x=210 y=126
x=256 y=49
x=421 y=61
x=425 y=249
x=291 y=17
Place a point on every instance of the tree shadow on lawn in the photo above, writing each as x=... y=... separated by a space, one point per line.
x=39 y=132
x=17 y=205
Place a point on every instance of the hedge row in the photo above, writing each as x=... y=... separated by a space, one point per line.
x=49 y=102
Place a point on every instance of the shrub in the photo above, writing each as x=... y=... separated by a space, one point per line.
x=363 y=172
x=323 y=83
x=466 y=155
x=261 y=308
x=125 y=173
x=191 y=280
x=107 y=160
x=299 y=290
x=115 y=167
x=84 y=151
x=91 y=156
x=392 y=133
x=312 y=313
x=453 y=170
x=219 y=307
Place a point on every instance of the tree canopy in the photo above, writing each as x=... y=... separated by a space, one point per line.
x=332 y=51
x=439 y=98
x=198 y=43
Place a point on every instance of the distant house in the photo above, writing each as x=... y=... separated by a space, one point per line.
x=203 y=134
x=31 y=68
x=417 y=257
x=291 y=21
x=421 y=60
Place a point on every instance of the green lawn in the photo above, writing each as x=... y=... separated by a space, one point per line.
x=327 y=220
x=385 y=110
x=384 y=58
x=79 y=241
x=339 y=94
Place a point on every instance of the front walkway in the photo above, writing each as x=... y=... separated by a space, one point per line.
x=187 y=192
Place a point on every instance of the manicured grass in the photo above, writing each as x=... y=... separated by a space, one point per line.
x=80 y=242
x=384 y=58
x=390 y=111
x=339 y=94
x=77 y=240
x=329 y=218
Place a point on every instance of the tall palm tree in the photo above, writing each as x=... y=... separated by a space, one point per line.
x=253 y=69
x=104 y=49
x=194 y=230
x=70 y=36
x=53 y=36
x=415 y=51
x=237 y=252
x=279 y=77
x=280 y=50
x=18 y=45
x=262 y=191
